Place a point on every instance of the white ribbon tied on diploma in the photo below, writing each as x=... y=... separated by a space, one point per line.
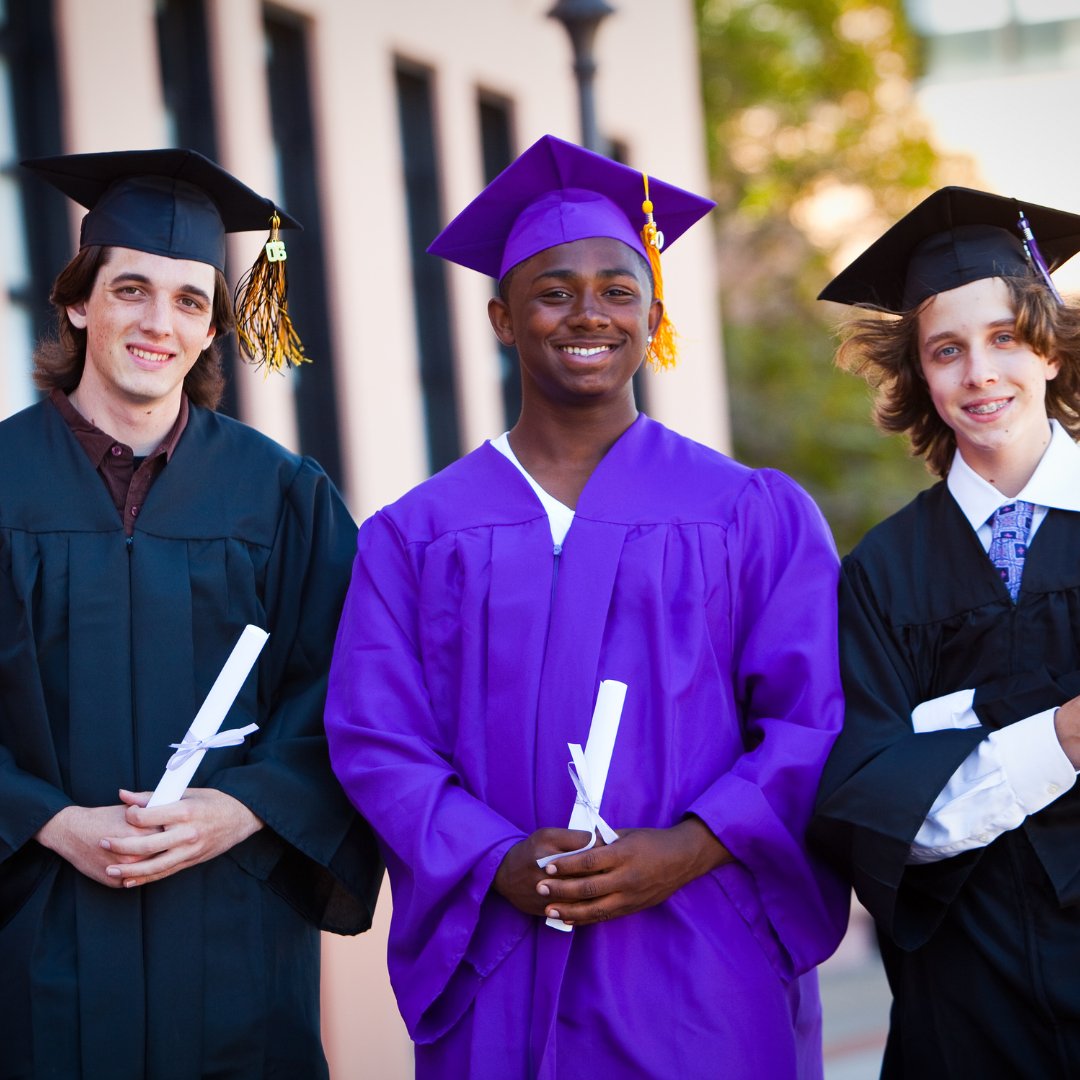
x=589 y=772
x=579 y=773
x=184 y=750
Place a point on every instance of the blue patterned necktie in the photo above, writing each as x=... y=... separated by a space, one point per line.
x=1010 y=528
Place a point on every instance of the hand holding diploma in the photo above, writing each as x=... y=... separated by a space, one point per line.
x=589 y=770
x=204 y=824
x=131 y=843
x=643 y=869
x=588 y=880
x=179 y=831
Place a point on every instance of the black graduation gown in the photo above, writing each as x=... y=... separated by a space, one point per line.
x=982 y=950
x=107 y=648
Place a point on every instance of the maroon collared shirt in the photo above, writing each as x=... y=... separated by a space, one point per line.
x=127 y=480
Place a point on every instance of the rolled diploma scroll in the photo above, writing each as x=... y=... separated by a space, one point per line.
x=597 y=759
x=210 y=717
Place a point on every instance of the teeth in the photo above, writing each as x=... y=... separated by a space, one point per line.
x=985 y=410
x=142 y=354
x=573 y=350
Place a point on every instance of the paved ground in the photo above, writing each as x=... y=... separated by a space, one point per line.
x=855 y=999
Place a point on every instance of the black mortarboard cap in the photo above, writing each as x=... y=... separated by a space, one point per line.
x=171 y=202
x=953 y=237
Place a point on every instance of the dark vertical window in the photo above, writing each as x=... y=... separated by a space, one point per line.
x=288 y=75
x=497 y=144
x=432 y=307
x=183 y=53
x=184 y=58
x=34 y=239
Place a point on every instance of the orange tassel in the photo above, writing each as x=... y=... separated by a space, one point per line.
x=661 y=351
x=263 y=326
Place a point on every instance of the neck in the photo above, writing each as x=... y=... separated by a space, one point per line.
x=1009 y=473
x=560 y=448
x=143 y=427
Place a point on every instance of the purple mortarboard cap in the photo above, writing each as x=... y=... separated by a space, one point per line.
x=170 y=202
x=952 y=238
x=556 y=192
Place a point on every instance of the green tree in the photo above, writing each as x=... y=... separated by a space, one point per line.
x=814 y=144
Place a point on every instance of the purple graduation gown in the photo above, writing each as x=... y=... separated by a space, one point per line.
x=469 y=655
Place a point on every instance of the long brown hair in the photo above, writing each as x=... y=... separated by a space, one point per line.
x=884 y=350
x=59 y=359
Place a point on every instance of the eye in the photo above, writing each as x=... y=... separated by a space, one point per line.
x=947 y=352
x=1004 y=337
x=196 y=305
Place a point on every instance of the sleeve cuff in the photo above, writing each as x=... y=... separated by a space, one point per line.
x=949 y=711
x=1035 y=765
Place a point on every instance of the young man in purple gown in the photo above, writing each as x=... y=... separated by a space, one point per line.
x=591 y=543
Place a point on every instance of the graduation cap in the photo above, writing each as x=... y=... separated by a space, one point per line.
x=180 y=204
x=952 y=238
x=557 y=192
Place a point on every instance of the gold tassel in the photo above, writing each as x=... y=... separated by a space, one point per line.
x=263 y=326
x=661 y=351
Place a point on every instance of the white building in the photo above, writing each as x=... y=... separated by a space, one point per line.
x=1001 y=82
x=373 y=123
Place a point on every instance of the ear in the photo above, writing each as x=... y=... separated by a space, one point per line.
x=76 y=314
x=1053 y=366
x=501 y=321
x=656 y=313
x=210 y=335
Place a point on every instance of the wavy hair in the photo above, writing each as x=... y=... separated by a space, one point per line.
x=883 y=349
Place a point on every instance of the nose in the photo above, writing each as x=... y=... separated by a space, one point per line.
x=156 y=316
x=589 y=311
x=981 y=369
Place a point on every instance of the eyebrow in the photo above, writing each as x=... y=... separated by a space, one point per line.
x=933 y=339
x=142 y=279
x=567 y=275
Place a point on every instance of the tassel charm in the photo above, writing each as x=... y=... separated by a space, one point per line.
x=1034 y=256
x=661 y=351
x=264 y=328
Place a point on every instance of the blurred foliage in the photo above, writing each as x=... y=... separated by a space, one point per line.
x=815 y=146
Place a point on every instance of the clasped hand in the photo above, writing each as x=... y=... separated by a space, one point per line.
x=128 y=844
x=643 y=868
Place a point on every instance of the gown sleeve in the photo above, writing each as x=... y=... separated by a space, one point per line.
x=1010 y=775
x=882 y=778
x=315 y=851
x=442 y=845
x=782 y=570
x=30 y=782
x=1004 y=701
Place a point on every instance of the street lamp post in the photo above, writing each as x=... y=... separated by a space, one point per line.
x=581 y=19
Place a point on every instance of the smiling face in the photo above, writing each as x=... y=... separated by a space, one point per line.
x=579 y=315
x=986 y=385
x=147 y=320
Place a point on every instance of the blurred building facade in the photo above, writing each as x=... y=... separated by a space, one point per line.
x=373 y=123
x=999 y=81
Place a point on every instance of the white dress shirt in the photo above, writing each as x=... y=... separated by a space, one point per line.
x=560 y=516
x=1020 y=769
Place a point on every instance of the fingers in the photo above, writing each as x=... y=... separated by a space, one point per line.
x=146 y=843
x=142 y=872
